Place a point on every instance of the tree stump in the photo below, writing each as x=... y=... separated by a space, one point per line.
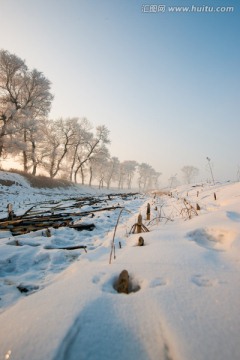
x=48 y=233
x=122 y=285
x=10 y=211
x=139 y=224
x=139 y=227
x=198 y=207
x=148 y=211
x=140 y=241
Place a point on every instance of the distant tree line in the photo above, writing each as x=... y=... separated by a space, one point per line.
x=69 y=148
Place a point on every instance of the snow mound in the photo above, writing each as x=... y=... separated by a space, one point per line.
x=14 y=179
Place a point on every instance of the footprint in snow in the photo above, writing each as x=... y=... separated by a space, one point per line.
x=158 y=282
x=97 y=278
x=202 y=281
x=234 y=216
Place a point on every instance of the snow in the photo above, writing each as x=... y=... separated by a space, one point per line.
x=186 y=280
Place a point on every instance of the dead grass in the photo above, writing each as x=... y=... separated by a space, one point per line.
x=40 y=181
x=6 y=182
x=161 y=193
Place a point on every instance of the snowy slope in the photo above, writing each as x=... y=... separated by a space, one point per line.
x=188 y=272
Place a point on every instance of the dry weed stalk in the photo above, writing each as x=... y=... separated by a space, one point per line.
x=114 y=233
x=189 y=211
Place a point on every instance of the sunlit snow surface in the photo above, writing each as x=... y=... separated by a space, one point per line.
x=187 y=274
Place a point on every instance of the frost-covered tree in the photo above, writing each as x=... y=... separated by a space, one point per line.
x=58 y=137
x=189 y=172
x=148 y=177
x=90 y=149
x=82 y=136
x=145 y=172
x=112 y=170
x=99 y=166
x=24 y=98
x=12 y=71
x=122 y=176
x=155 y=179
x=126 y=171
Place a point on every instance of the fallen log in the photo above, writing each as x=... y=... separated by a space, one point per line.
x=67 y=247
x=81 y=227
x=31 y=222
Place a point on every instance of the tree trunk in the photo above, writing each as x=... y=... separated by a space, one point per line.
x=25 y=160
x=73 y=163
x=3 y=133
x=82 y=175
x=34 y=161
x=91 y=176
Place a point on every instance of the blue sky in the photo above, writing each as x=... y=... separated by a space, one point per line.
x=165 y=84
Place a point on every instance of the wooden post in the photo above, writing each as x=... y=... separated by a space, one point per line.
x=10 y=211
x=148 y=211
x=139 y=224
x=215 y=196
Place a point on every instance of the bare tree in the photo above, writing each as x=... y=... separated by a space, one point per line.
x=210 y=168
x=189 y=172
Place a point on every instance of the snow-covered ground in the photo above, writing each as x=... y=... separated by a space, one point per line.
x=187 y=274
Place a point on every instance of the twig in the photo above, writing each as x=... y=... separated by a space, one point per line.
x=114 y=233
